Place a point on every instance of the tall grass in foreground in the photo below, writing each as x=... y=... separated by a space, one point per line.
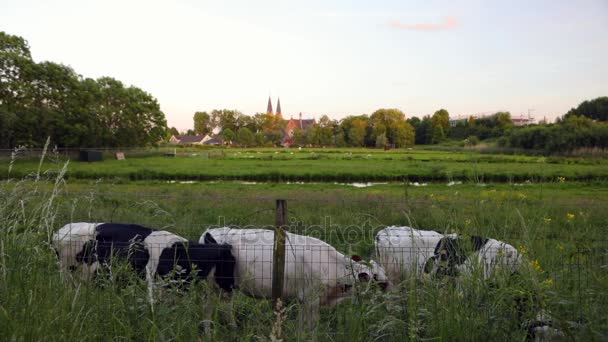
x=565 y=274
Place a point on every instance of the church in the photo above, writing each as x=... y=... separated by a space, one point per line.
x=293 y=124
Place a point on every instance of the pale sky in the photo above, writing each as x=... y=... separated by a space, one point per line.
x=330 y=56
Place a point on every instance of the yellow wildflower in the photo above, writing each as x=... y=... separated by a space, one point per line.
x=561 y=179
x=523 y=250
x=570 y=216
x=548 y=282
x=547 y=219
x=536 y=266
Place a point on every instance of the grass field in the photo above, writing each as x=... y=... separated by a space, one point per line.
x=319 y=165
x=558 y=225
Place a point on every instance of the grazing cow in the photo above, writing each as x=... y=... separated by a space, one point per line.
x=315 y=272
x=84 y=248
x=404 y=251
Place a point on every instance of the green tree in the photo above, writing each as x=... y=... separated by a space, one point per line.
x=424 y=131
x=226 y=119
x=392 y=123
x=202 y=123
x=404 y=134
x=355 y=129
x=260 y=139
x=228 y=135
x=381 y=140
x=245 y=137
x=440 y=123
x=596 y=109
x=49 y=99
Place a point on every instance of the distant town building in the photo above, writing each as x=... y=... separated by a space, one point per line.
x=269 y=107
x=522 y=120
x=279 y=114
x=292 y=125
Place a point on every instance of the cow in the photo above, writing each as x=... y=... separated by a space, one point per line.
x=316 y=274
x=405 y=251
x=87 y=248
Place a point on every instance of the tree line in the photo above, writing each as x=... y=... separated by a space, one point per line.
x=46 y=99
x=381 y=128
x=584 y=126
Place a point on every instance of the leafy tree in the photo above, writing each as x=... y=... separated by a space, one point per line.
x=226 y=119
x=440 y=122
x=357 y=132
x=381 y=140
x=228 y=135
x=596 y=109
x=173 y=131
x=49 y=99
x=404 y=134
x=438 y=134
x=260 y=139
x=339 y=140
x=392 y=123
x=299 y=137
x=245 y=137
x=202 y=123
x=424 y=131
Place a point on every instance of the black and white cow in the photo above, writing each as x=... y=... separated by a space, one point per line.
x=316 y=274
x=405 y=251
x=84 y=248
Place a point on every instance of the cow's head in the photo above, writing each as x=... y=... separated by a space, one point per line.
x=449 y=254
x=371 y=271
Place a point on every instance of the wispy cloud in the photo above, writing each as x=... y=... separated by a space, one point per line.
x=448 y=23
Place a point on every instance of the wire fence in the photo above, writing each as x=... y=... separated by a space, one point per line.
x=318 y=256
x=317 y=273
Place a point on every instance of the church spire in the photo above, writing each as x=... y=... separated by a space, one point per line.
x=269 y=108
x=279 y=114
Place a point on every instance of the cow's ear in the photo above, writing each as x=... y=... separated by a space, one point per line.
x=209 y=239
x=356 y=258
x=363 y=276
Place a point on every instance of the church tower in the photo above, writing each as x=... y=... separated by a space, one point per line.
x=279 y=114
x=269 y=107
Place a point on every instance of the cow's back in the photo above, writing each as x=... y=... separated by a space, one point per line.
x=404 y=251
x=124 y=242
x=307 y=260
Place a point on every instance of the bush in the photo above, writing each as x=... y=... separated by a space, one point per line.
x=471 y=140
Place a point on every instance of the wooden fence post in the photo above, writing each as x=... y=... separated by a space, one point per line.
x=278 y=259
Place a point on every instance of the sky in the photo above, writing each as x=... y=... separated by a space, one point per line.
x=330 y=57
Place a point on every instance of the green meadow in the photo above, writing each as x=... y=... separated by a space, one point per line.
x=552 y=210
x=323 y=165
